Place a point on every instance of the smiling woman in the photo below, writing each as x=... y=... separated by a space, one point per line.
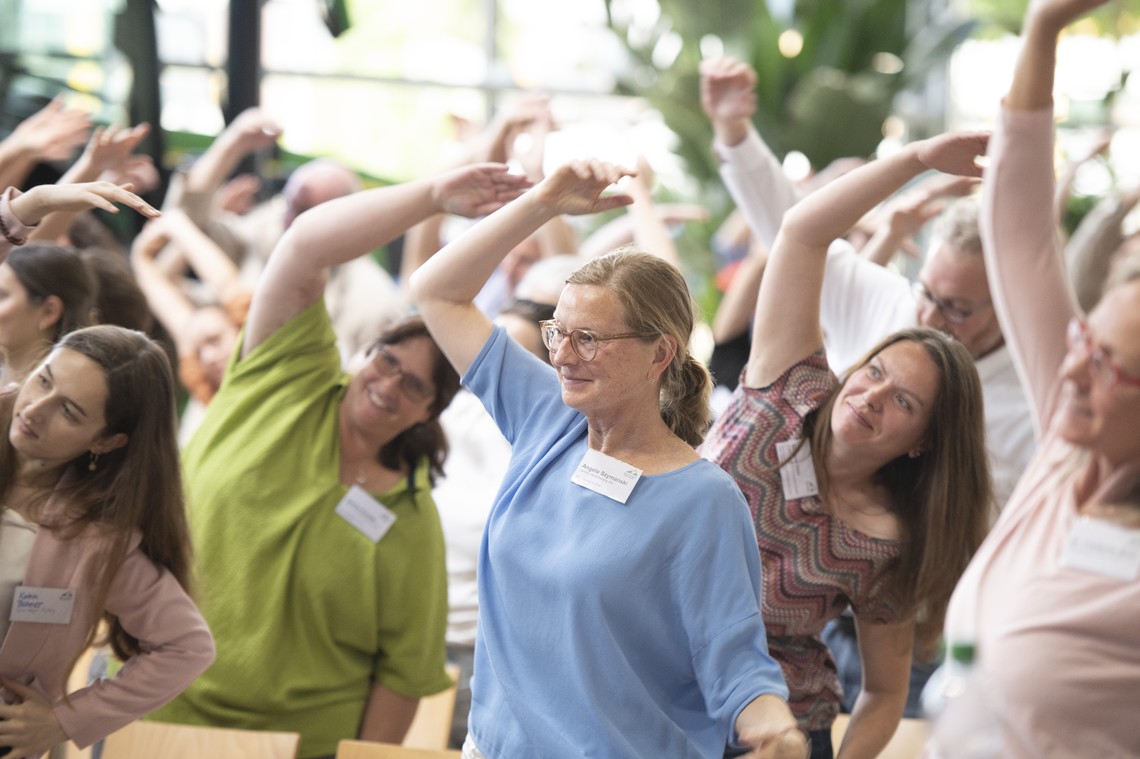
x=309 y=493
x=637 y=555
x=871 y=492
x=92 y=526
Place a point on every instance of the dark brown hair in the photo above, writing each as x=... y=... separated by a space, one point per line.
x=941 y=498
x=427 y=439
x=135 y=487
x=46 y=270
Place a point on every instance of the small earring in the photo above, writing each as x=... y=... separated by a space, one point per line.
x=93 y=463
x=915 y=454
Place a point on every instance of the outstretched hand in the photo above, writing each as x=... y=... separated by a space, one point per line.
x=728 y=89
x=954 y=152
x=53 y=132
x=29 y=728
x=576 y=187
x=32 y=206
x=477 y=190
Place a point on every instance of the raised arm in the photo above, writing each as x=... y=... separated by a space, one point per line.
x=110 y=149
x=348 y=227
x=209 y=262
x=21 y=212
x=445 y=287
x=1031 y=292
x=50 y=134
x=166 y=300
x=753 y=175
x=787 y=326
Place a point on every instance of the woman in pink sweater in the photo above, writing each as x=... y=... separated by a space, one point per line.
x=92 y=525
x=1052 y=598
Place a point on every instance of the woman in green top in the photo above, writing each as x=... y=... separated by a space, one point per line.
x=320 y=558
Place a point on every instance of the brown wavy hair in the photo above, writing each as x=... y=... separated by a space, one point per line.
x=655 y=299
x=427 y=439
x=135 y=487
x=941 y=498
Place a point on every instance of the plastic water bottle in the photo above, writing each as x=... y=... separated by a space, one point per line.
x=963 y=708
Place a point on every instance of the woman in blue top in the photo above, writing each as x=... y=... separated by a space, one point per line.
x=619 y=578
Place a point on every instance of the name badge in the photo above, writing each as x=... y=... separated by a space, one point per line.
x=797 y=475
x=1104 y=548
x=49 y=606
x=606 y=475
x=365 y=513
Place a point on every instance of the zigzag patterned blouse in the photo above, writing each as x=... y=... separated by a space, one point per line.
x=814 y=565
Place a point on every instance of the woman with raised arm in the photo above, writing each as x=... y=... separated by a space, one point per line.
x=1052 y=599
x=619 y=578
x=46 y=291
x=320 y=553
x=92 y=524
x=870 y=492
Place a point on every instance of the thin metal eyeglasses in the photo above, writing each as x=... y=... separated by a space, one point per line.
x=954 y=313
x=1100 y=363
x=411 y=386
x=583 y=342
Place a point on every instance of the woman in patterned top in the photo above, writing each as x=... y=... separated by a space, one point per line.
x=883 y=505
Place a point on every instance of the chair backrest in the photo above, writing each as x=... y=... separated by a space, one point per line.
x=149 y=740
x=906 y=743
x=431 y=727
x=370 y=750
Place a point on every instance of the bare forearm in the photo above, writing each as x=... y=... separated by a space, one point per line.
x=460 y=270
x=1032 y=86
x=649 y=230
x=387 y=716
x=873 y=722
x=340 y=230
x=829 y=212
x=208 y=260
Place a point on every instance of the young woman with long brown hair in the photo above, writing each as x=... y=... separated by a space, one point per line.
x=92 y=525
x=870 y=492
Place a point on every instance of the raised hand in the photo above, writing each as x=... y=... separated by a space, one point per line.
x=52 y=133
x=954 y=152
x=150 y=240
x=252 y=130
x=32 y=206
x=728 y=96
x=477 y=190
x=576 y=187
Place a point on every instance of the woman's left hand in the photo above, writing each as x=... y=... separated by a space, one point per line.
x=477 y=190
x=954 y=152
x=29 y=728
x=768 y=728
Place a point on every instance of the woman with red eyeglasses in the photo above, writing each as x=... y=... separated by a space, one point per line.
x=320 y=557
x=1052 y=598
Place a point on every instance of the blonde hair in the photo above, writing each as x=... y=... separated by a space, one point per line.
x=656 y=300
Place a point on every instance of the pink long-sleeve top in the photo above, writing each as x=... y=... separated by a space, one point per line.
x=1059 y=645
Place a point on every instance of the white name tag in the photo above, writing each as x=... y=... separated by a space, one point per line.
x=797 y=475
x=365 y=513
x=1104 y=548
x=50 y=606
x=606 y=475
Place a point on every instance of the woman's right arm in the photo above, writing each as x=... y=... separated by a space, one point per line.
x=444 y=288
x=29 y=208
x=1031 y=291
x=346 y=228
x=787 y=322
